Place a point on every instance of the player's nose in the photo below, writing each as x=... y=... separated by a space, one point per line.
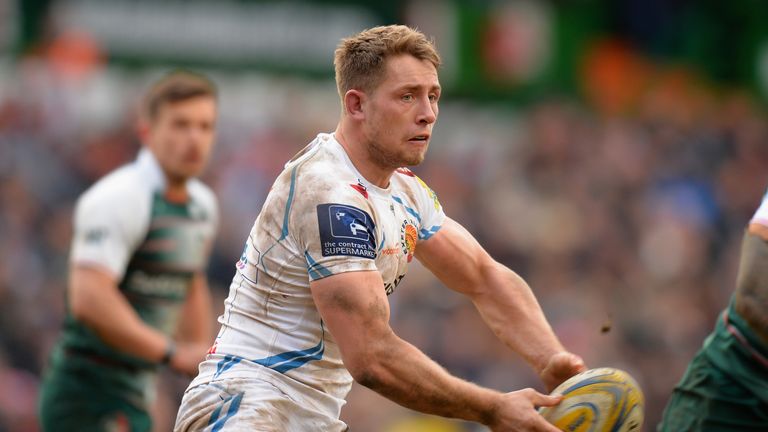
x=427 y=112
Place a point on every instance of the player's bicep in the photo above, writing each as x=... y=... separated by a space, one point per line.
x=355 y=310
x=91 y=287
x=455 y=257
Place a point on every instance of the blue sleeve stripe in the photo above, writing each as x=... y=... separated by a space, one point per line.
x=425 y=234
x=316 y=270
x=411 y=211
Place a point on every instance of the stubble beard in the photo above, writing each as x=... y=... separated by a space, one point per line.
x=391 y=159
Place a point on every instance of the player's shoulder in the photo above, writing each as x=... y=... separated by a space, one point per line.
x=407 y=182
x=408 y=177
x=203 y=194
x=123 y=187
x=322 y=165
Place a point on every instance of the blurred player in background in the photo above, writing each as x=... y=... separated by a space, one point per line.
x=138 y=296
x=726 y=385
x=307 y=310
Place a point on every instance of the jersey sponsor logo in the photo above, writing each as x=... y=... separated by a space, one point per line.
x=95 y=235
x=346 y=230
x=247 y=264
x=390 y=287
x=390 y=251
x=360 y=187
x=243 y=261
x=157 y=285
x=408 y=237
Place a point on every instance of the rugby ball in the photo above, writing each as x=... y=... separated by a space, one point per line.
x=598 y=400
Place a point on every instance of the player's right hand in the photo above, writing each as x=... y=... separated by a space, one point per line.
x=517 y=412
x=187 y=358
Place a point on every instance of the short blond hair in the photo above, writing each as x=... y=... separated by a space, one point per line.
x=360 y=60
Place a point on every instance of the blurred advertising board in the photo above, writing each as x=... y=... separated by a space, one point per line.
x=494 y=49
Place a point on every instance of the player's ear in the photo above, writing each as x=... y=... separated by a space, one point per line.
x=353 y=103
x=142 y=127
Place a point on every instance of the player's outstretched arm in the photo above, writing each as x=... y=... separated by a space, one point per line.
x=504 y=300
x=96 y=301
x=354 y=308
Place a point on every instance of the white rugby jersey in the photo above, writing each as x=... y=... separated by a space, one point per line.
x=320 y=218
x=115 y=216
x=761 y=215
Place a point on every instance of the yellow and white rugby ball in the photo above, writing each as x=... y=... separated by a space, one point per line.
x=598 y=400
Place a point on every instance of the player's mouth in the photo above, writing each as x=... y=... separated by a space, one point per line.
x=194 y=158
x=420 y=139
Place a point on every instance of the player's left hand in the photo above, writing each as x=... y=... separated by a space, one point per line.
x=560 y=367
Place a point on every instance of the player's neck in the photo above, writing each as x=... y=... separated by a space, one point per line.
x=355 y=148
x=176 y=190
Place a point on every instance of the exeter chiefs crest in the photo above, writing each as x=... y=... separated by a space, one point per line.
x=408 y=237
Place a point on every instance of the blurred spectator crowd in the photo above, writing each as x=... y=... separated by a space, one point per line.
x=626 y=225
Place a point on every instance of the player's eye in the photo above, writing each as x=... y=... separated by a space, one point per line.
x=433 y=97
x=180 y=123
x=407 y=97
x=206 y=126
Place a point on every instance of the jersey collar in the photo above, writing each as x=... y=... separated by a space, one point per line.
x=338 y=148
x=150 y=167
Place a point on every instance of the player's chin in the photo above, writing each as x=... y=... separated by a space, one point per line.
x=415 y=155
x=190 y=170
x=413 y=159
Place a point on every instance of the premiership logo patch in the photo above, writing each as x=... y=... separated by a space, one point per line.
x=346 y=230
x=408 y=236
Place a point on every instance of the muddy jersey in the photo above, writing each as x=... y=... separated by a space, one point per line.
x=761 y=215
x=321 y=218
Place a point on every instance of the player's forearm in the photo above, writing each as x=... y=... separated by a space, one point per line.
x=95 y=301
x=124 y=331
x=405 y=375
x=510 y=309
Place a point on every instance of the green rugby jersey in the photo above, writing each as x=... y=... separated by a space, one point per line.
x=125 y=225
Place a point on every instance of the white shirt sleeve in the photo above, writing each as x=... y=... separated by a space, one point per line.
x=432 y=215
x=761 y=215
x=335 y=230
x=109 y=225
